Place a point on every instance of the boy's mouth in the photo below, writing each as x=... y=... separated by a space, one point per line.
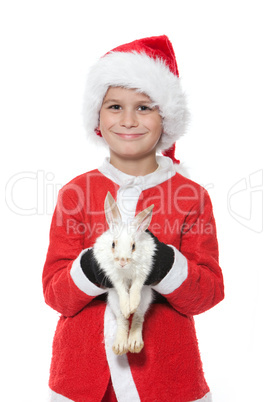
x=130 y=136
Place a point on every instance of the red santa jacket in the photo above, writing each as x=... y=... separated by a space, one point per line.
x=169 y=366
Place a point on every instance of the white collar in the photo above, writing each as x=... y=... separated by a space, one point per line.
x=164 y=172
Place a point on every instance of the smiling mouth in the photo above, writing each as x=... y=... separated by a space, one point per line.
x=130 y=136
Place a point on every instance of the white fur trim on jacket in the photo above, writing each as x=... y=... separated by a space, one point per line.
x=54 y=397
x=145 y=74
x=122 y=380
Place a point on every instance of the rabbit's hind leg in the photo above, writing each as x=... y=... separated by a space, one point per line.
x=135 y=340
x=120 y=345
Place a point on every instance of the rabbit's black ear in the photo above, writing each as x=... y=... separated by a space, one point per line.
x=143 y=219
x=112 y=213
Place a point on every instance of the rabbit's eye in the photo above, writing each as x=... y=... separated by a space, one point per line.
x=113 y=244
x=133 y=246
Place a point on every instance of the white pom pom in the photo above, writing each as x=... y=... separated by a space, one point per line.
x=182 y=169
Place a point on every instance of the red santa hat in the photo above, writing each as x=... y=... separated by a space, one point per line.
x=149 y=66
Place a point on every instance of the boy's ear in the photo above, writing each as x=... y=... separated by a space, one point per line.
x=112 y=213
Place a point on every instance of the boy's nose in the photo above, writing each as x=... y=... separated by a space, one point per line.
x=129 y=119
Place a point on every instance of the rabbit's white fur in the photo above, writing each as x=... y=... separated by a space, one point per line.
x=125 y=254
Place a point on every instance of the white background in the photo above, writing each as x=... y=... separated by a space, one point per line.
x=221 y=48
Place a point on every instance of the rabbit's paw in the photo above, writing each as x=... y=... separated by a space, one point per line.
x=134 y=301
x=125 y=308
x=135 y=342
x=120 y=346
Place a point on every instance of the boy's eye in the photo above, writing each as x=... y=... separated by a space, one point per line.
x=113 y=244
x=115 y=107
x=144 y=108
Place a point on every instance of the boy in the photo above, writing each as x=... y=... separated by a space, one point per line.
x=134 y=105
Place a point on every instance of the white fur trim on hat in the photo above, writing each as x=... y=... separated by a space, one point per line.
x=145 y=74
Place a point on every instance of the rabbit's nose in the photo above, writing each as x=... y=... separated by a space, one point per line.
x=122 y=262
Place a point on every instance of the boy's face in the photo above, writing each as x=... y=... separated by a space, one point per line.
x=129 y=124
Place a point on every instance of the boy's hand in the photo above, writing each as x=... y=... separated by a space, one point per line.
x=162 y=261
x=93 y=271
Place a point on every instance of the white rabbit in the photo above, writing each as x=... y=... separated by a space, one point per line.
x=125 y=254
